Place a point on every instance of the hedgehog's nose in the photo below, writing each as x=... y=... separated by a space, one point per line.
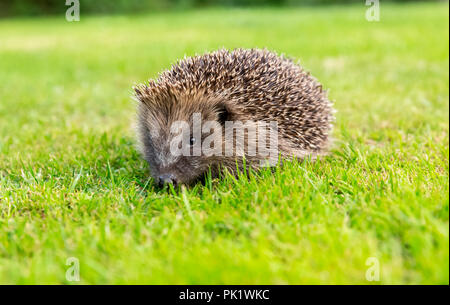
x=167 y=179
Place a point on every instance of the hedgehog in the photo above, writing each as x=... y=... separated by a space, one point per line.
x=210 y=113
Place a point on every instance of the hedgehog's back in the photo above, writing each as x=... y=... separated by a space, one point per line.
x=260 y=85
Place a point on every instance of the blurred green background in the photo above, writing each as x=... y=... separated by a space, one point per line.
x=45 y=7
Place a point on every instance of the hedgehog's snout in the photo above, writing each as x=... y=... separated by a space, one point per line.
x=167 y=179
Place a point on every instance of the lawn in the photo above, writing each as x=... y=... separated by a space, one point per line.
x=72 y=184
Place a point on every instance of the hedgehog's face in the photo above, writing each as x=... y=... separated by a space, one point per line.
x=173 y=139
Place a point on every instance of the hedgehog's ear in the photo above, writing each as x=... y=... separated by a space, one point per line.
x=223 y=114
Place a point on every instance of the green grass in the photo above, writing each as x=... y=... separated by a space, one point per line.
x=73 y=185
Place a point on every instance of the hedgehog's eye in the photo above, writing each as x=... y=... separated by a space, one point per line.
x=192 y=141
x=223 y=115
